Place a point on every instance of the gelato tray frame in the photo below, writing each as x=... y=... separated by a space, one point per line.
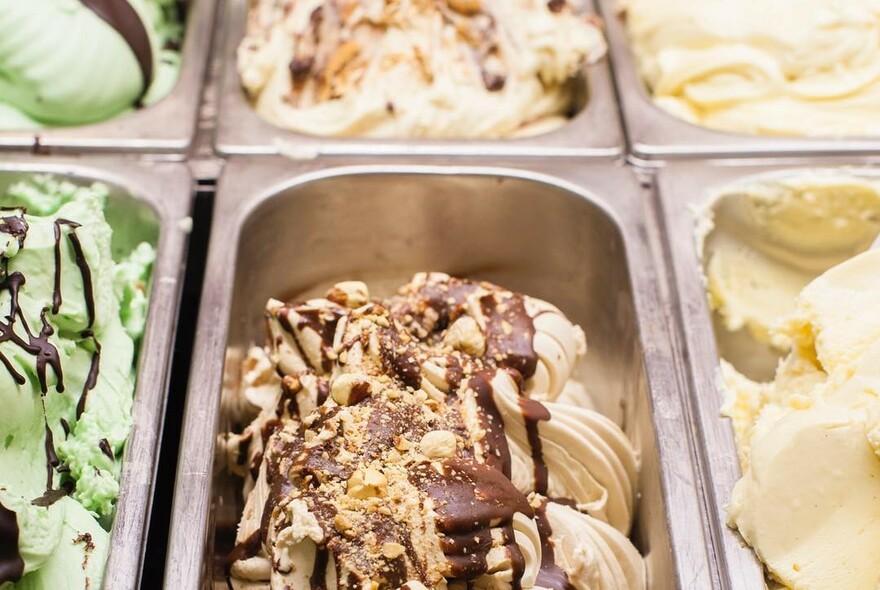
x=588 y=214
x=163 y=191
x=167 y=127
x=681 y=187
x=654 y=134
x=595 y=132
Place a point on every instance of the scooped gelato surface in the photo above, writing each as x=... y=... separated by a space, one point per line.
x=399 y=443
x=793 y=293
x=66 y=380
x=807 y=501
x=763 y=240
x=117 y=55
x=786 y=67
x=418 y=68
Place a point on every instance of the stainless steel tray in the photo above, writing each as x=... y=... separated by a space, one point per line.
x=575 y=235
x=594 y=132
x=165 y=127
x=147 y=202
x=682 y=186
x=655 y=134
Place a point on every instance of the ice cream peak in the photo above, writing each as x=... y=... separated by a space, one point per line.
x=448 y=68
x=807 y=501
x=395 y=445
x=66 y=382
x=787 y=67
x=118 y=54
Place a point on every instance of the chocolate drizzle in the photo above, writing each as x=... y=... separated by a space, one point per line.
x=92 y=377
x=81 y=263
x=532 y=413
x=510 y=332
x=11 y=562
x=550 y=576
x=469 y=499
x=498 y=455
x=321 y=321
x=122 y=16
x=15 y=225
x=36 y=345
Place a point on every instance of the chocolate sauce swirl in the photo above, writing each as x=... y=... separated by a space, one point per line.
x=122 y=16
x=11 y=562
x=550 y=576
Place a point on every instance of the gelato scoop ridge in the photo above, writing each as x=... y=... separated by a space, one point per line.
x=66 y=382
x=394 y=446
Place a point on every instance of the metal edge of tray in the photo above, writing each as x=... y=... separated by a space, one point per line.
x=595 y=132
x=167 y=127
x=167 y=188
x=655 y=134
x=249 y=182
x=680 y=187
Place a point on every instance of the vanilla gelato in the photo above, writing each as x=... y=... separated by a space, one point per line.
x=417 y=68
x=793 y=301
x=783 y=67
x=807 y=501
x=400 y=443
x=763 y=240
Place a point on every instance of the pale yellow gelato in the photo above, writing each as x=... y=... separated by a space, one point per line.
x=780 y=67
x=808 y=498
x=763 y=240
x=416 y=68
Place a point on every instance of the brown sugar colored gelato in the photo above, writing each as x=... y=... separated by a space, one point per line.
x=395 y=445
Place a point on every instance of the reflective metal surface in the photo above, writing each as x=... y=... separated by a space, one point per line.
x=165 y=127
x=147 y=202
x=682 y=186
x=595 y=131
x=575 y=235
x=653 y=133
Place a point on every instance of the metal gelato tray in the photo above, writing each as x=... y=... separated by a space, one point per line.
x=148 y=202
x=655 y=134
x=681 y=188
x=165 y=127
x=594 y=132
x=577 y=236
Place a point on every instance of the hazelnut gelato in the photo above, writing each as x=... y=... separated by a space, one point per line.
x=416 y=68
x=400 y=443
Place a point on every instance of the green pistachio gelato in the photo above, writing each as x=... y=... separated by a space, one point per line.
x=73 y=62
x=70 y=316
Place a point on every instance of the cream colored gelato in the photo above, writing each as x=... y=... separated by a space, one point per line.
x=807 y=501
x=780 y=67
x=763 y=240
x=394 y=444
x=416 y=68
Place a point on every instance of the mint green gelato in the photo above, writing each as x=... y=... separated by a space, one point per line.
x=66 y=380
x=62 y=64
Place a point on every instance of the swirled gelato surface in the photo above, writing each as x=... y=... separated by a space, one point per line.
x=783 y=67
x=398 y=443
x=416 y=68
x=74 y=62
x=66 y=381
